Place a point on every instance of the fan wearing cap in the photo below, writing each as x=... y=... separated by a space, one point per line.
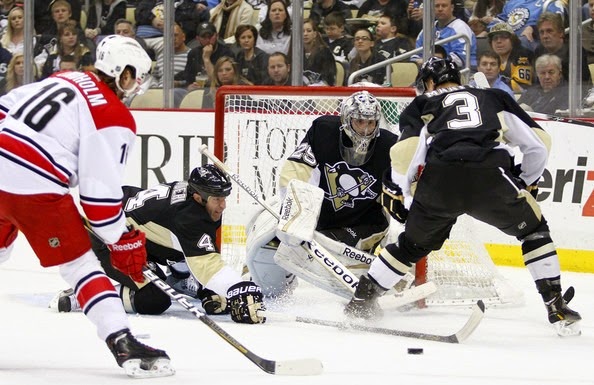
x=201 y=59
x=516 y=61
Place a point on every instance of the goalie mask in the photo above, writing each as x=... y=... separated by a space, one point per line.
x=360 y=114
x=439 y=70
x=208 y=181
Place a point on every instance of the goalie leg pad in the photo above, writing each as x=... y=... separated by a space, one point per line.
x=266 y=273
x=297 y=261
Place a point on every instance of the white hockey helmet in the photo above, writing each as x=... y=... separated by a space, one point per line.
x=360 y=105
x=115 y=53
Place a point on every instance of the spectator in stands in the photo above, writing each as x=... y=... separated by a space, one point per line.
x=483 y=14
x=125 y=27
x=251 y=60
x=279 y=70
x=180 y=59
x=516 y=60
x=275 y=32
x=68 y=63
x=319 y=66
x=6 y=6
x=389 y=42
x=447 y=25
x=397 y=9
x=228 y=14
x=68 y=45
x=149 y=16
x=522 y=16
x=190 y=13
x=102 y=17
x=225 y=73
x=588 y=34
x=339 y=43
x=364 y=57
x=552 y=41
x=13 y=38
x=61 y=12
x=550 y=94
x=201 y=59
x=322 y=8
x=5 y=58
x=14 y=74
x=489 y=64
x=45 y=19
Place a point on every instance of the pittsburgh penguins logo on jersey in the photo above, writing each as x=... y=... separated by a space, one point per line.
x=517 y=17
x=346 y=185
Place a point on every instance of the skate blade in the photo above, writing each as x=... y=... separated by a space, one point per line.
x=566 y=328
x=160 y=368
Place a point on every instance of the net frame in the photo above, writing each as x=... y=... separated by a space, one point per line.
x=238 y=142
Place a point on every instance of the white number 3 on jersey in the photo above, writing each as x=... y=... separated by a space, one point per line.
x=206 y=243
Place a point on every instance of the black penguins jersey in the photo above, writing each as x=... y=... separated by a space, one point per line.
x=175 y=224
x=350 y=192
x=465 y=124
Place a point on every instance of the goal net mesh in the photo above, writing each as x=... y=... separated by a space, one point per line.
x=257 y=128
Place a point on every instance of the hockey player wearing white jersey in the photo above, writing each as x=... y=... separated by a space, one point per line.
x=460 y=137
x=73 y=130
x=343 y=157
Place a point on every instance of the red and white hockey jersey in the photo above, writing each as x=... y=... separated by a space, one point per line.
x=68 y=130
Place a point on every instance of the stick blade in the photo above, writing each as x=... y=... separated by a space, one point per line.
x=301 y=367
x=478 y=312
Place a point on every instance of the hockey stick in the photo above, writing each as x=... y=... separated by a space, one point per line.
x=301 y=367
x=478 y=311
x=313 y=248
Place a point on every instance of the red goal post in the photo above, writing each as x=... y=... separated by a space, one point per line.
x=258 y=127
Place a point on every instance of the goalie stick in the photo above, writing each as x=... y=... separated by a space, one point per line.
x=300 y=367
x=478 y=311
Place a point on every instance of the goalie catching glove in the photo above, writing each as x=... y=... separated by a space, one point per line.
x=392 y=199
x=128 y=255
x=245 y=299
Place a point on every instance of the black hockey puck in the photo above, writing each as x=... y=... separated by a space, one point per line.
x=415 y=350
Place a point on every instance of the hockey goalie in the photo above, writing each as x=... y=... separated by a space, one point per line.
x=329 y=192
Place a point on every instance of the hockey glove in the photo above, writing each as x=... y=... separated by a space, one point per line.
x=245 y=299
x=392 y=199
x=128 y=255
x=212 y=303
x=532 y=189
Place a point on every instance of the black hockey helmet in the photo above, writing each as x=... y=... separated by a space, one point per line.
x=207 y=181
x=439 y=70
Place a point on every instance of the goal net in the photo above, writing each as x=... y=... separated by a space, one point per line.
x=257 y=128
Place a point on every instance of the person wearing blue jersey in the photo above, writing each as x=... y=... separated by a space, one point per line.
x=447 y=25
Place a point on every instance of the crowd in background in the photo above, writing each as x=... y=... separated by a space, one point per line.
x=520 y=46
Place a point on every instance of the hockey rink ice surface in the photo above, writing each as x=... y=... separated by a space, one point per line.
x=512 y=346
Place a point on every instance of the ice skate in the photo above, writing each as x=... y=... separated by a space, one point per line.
x=364 y=302
x=564 y=320
x=65 y=302
x=138 y=360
